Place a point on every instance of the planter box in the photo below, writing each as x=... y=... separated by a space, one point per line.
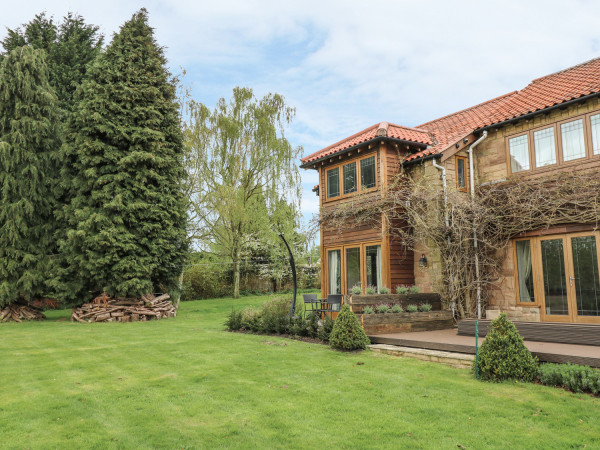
x=358 y=302
x=406 y=322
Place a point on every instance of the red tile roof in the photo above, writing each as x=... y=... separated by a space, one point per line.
x=440 y=134
x=382 y=129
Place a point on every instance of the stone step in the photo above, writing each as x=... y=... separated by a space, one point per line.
x=460 y=360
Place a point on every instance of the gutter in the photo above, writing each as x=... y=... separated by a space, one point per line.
x=362 y=144
x=472 y=180
x=539 y=111
x=412 y=162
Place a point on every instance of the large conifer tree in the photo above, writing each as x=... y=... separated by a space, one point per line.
x=28 y=142
x=126 y=222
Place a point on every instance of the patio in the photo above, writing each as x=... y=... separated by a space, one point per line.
x=450 y=341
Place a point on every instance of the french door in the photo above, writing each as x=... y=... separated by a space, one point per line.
x=568 y=277
x=355 y=265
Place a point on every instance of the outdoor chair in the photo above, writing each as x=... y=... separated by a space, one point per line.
x=311 y=303
x=332 y=304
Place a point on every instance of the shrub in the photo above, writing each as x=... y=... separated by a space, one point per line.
x=368 y=310
x=412 y=308
x=402 y=290
x=384 y=290
x=503 y=356
x=413 y=290
x=250 y=320
x=274 y=315
x=347 y=334
x=425 y=307
x=397 y=308
x=570 y=376
x=356 y=290
x=307 y=327
x=234 y=320
x=383 y=308
x=371 y=290
x=325 y=330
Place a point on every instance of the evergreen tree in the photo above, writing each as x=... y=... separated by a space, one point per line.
x=28 y=140
x=70 y=48
x=126 y=220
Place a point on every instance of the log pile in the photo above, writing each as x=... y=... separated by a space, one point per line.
x=106 y=309
x=19 y=313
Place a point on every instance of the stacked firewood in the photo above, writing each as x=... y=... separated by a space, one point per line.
x=19 y=313
x=106 y=309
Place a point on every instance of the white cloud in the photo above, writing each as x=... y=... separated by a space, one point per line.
x=346 y=65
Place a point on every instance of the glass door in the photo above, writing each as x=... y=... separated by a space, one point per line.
x=583 y=278
x=555 y=305
x=352 y=268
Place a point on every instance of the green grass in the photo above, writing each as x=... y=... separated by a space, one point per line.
x=186 y=383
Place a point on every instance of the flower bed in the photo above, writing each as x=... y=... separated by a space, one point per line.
x=380 y=322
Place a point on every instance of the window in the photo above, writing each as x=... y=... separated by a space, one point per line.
x=461 y=174
x=352 y=268
x=573 y=145
x=360 y=264
x=333 y=182
x=545 y=147
x=373 y=263
x=367 y=173
x=519 y=153
x=334 y=259
x=595 y=123
x=350 y=178
x=524 y=272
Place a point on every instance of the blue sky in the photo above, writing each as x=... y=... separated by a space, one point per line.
x=346 y=65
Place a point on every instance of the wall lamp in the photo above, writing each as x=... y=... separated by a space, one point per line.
x=423 y=261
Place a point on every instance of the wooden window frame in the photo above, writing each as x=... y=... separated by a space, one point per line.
x=359 y=190
x=560 y=162
x=363 y=264
x=327 y=197
x=466 y=171
x=533 y=242
x=538 y=281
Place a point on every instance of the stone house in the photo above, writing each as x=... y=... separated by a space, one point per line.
x=550 y=126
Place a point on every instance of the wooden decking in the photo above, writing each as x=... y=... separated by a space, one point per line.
x=564 y=333
x=451 y=341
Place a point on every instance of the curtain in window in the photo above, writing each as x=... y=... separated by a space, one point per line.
x=524 y=270
x=334 y=272
x=595 y=122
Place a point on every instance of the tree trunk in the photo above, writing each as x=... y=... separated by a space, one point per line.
x=236 y=273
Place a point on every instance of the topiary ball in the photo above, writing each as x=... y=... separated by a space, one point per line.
x=503 y=355
x=347 y=334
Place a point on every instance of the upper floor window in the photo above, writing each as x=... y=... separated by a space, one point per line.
x=350 y=178
x=461 y=173
x=554 y=145
x=367 y=172
x=545 y=147
x=333 y=183
x=573 y=145
x=519 y=153
x=595 y=125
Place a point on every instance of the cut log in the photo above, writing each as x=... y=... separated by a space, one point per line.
x=126 y=309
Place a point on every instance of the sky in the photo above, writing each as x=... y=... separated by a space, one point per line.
x=346 y=65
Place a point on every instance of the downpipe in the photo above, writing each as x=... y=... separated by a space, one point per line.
x=475 y=243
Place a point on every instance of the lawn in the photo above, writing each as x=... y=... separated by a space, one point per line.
x=186 y=383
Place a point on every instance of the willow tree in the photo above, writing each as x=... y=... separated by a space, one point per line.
x=238 y=155
x=29 y=140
